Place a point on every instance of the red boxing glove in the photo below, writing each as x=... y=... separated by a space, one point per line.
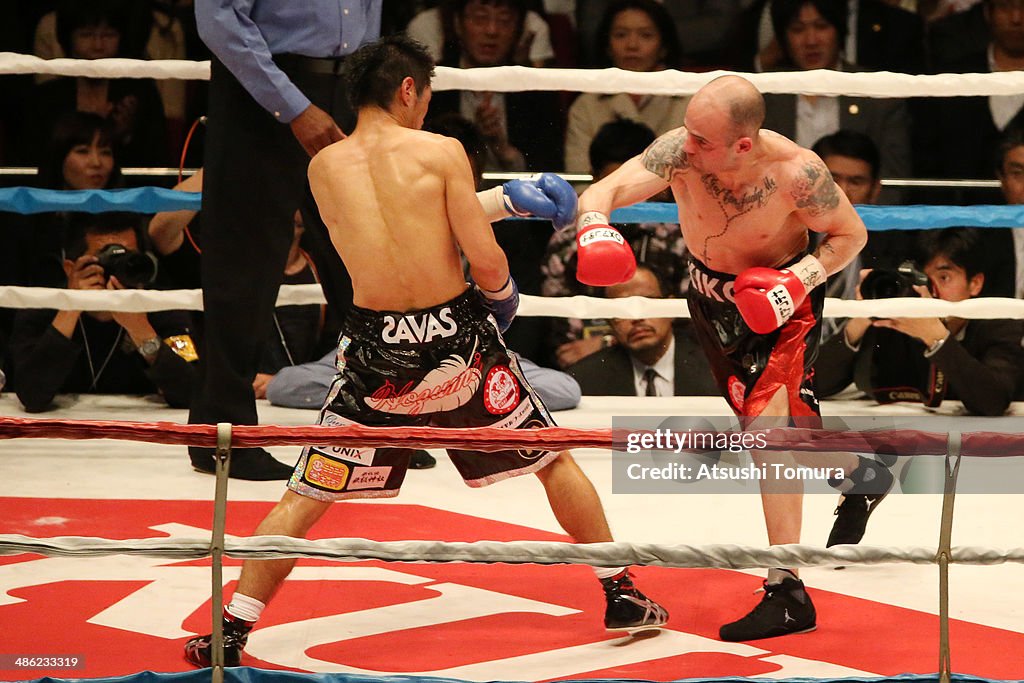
x=603 y=256
x=767 y=298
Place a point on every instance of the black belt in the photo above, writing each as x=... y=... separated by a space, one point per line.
x=313 y=65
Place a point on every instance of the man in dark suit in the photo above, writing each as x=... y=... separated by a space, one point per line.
x=521 y=130
x=887 y=38
x=646 y=357
x=879 y=37
x=962 y=132
x=811 y=34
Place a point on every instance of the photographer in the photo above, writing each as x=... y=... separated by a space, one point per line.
x=978 y=362
x=102 y=352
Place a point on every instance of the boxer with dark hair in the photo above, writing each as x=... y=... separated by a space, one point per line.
x=419 y=346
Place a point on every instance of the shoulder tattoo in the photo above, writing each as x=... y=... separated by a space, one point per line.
x=814 y=189
x=665 y=156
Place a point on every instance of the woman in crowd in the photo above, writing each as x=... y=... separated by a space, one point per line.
x=79 y=156
x=634 y=35
x=97 y=30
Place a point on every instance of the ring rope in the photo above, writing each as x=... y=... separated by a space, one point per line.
x=490 y=439
x=616 y=554
x=520 y=78
x=963 y=84
x=149 y=300
x=30 y=200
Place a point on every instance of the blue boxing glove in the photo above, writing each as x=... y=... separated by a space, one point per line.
x=502 y=303
x=545 y=195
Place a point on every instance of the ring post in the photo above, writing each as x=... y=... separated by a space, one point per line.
x=945 y=551
x=222 y=464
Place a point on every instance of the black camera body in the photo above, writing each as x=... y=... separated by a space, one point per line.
x=133 y=269
x=884 y=283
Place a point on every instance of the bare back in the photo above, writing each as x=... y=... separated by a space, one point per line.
x=757 y=224
x=383 y=194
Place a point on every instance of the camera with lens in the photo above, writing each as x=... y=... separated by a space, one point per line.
x=885 y=283
x=133 y=269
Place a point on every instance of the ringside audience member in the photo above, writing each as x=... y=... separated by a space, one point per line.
x=522 y=130
x=434 y=28
x=1004 y=247
x=959 y=133
x=880 y=36
x=928 y=360
x=659 y=245
x=103 y=352
x=634 y=35
x=80 y=155
x=651 y=356
x=854 y=162
x=98 y=30
x=811 y=34
x=166 y=39
x=300 y=333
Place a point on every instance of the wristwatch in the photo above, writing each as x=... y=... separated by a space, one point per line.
x=935 y=346
x=150 y=348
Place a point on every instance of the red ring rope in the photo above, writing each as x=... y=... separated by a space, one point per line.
x=897 y=442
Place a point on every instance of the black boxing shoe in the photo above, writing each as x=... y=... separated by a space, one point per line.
x=421 y=460
x=871 y=484
x=236 y=633
x=627 y=608
x=252 y=464
x=786 y=608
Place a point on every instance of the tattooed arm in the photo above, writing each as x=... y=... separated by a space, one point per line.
x=824 y=208
x=639 y=178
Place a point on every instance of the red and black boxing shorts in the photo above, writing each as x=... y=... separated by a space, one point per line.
x=446 y=366
x=749 y=368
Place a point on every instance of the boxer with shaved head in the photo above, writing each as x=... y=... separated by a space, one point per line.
x=747 y=200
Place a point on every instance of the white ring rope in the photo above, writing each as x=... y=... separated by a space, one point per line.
x=722 y=556
x=149 y=300
x=519 y=78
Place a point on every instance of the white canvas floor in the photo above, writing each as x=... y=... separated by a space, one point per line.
x=54 y=469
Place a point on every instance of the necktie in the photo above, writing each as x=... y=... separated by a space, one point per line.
x=649 y=388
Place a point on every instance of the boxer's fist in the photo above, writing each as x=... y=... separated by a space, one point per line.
x=502 y=303
x=546 y=195
x=603 y=258
x=767 y=298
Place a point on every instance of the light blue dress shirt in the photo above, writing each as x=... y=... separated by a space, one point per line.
x=243 y=34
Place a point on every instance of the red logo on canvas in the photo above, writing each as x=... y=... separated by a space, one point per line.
x=501 y=390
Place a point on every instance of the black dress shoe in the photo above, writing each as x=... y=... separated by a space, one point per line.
x=252 y=464
x=421 y=460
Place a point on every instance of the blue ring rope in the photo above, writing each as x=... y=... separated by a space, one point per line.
x=28 y=200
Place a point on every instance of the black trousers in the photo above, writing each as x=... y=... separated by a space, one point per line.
x=254 y=180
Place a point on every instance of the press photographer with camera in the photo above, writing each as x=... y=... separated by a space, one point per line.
x=103 y=352
x=927 y=360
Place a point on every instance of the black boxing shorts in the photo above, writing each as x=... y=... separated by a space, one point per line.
x=749 y=368
x=446 y=366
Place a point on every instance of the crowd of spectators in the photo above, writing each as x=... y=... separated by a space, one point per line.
x=77 y=133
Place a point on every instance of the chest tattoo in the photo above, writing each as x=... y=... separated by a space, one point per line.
x=734 y=206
